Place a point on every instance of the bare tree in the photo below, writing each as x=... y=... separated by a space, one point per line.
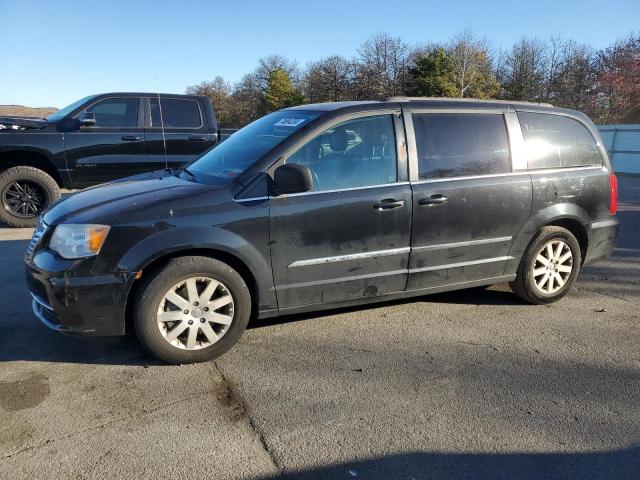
x=269 y=64
x=572 y=84
x=618 y=82
x=246 y=100
x=523 y=70
x=329 y=80
x=219 y=92
x=382 y=66
x=471 y=62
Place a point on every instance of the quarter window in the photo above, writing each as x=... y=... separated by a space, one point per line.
x=355 y=153
x=555 y=141
x=115 y=112
x=176 y=113
x=460 y=144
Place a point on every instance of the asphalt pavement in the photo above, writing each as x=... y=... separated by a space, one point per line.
x=467 y=384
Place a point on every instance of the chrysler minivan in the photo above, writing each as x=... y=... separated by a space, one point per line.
x=328 y=205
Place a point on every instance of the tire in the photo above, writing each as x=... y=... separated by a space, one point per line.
x=34 y=186
x=530 y=283
x=163 y=327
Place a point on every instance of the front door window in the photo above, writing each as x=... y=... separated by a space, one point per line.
x=355 y=153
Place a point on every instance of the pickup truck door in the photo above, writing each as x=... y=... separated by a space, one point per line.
x=186 y=132
x=348 y=238
x=110 y=149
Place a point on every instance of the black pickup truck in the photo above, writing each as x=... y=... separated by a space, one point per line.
x=95 y=140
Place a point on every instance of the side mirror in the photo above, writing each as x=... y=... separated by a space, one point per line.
x=292 y=178
x=86 y=119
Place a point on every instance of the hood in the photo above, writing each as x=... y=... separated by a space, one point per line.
x=20 y=123
x=124 y=200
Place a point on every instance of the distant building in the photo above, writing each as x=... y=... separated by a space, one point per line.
x=623 y=144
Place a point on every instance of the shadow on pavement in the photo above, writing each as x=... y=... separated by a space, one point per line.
x=618 y=465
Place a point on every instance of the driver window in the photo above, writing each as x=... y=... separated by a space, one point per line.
x=115 y=112
x=355 y=153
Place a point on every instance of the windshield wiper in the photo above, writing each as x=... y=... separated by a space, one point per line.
x=188 y=172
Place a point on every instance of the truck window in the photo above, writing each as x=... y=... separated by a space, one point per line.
x=461 y=144
x=555 y=141
x=115 y=112
x=355 y=153
x=176 y=113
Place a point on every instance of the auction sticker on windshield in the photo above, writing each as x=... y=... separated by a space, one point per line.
x=289 y=122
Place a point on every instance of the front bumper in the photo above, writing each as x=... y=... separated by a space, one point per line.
x=76 y=304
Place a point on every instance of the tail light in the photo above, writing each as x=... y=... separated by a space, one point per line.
x=613 y=194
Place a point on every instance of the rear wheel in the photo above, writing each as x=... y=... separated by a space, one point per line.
x=193 y=310
x=549 y=267
x=25 y=192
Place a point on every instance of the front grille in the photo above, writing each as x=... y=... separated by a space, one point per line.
x=38 y=233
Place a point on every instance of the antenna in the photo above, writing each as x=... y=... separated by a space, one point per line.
x=164 y=140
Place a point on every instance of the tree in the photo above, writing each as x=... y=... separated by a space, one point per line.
x=381 y=68
x=618 y=82
x=329 y=80
x=269 y=64
x=523 y=71
x=245 y=101
x=219 y=92
x=573 y=84
x=432 y=75
x=471 y=67
x=280 y=93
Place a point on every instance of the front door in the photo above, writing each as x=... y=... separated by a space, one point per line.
x=468 y=204
x=112 y=148
x=348 y=238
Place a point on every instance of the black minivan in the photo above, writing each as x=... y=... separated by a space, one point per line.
x=329 y=205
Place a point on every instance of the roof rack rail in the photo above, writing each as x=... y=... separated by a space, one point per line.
x=457 y=99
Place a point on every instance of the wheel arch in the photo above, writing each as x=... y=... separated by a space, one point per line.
x=569 y=216
x=154 y=264
x=577 y=228
x=30 y=158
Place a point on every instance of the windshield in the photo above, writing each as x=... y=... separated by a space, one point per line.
x=63 y=112
x=245 y=147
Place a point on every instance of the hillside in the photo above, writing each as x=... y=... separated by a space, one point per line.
x=22 y=111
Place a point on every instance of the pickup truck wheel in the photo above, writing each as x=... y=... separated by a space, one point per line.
x=193 y=310
x=25 y=192
x=549 y=266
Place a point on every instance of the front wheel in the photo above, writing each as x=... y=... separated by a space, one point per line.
x=549 y=266
x=25 y=192
x=193 y=310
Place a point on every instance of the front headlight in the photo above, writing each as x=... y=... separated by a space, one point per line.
x=78 y=241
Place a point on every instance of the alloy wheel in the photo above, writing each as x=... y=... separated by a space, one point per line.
x=195 y=313
x=24 y=199
x=553 y=266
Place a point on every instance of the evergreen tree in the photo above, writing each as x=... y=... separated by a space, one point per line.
x=279 y=92
x=432 y=75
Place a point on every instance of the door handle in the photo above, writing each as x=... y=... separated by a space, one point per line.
x=131 y=138
x=389 y=203
x=197 y=138
x=433 y=200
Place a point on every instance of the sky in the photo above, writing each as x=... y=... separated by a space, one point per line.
x=54 y=52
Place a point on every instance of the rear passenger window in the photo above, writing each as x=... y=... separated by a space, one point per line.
x=554 y=141
x=176 y=113
x=460 y=144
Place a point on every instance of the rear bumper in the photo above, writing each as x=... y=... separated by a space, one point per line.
x=602 y=240
x=76 y=305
